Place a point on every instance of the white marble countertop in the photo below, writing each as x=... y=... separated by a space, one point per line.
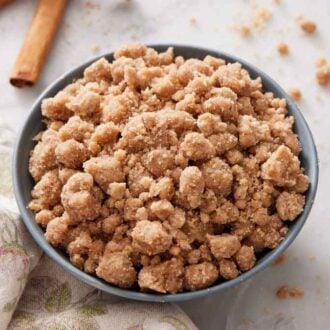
x=108 y=24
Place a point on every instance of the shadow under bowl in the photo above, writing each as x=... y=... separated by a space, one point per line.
x=23 y=182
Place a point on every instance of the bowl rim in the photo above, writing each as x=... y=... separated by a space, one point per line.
x=55 y=255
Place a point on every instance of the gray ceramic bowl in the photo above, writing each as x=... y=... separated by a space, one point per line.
x=23 y=182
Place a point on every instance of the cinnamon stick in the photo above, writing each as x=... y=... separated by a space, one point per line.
x=37 y=42
x=4 y=2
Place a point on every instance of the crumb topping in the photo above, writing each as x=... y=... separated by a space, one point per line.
x=166 y=174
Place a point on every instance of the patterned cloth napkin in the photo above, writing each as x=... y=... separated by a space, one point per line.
x=35 y=293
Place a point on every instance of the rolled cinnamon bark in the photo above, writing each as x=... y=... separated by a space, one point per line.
x=37 y=42
x=4 y=2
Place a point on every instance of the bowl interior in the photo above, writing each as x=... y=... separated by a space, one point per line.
x=23 y=182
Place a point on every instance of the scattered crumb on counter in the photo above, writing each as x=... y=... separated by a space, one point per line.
x=257 y=22
x=283 y=48
x=306 y=25
x=95 y=48
x=277 y=1
x=322 y=74
x=261 y=17
x=312 y=258
x=295 y=94
x=267 y=310
x=245 y=321
x=244 y=29
x=297 y=293
x=91 y=5
x=278 y=315
x=320 y=61
x=281 y=259
x=284 y=292
x=193 y=20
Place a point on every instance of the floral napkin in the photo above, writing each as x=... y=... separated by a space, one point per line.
x=35 y=293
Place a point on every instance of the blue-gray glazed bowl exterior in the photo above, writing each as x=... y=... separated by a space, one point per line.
x=23 y=182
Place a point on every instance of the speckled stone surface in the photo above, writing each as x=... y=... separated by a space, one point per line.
x=105 y=25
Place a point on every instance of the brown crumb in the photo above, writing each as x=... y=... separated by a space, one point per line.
x=320 y=61
x=261 y=17
x=306 y=25
x=257 y=22
x=323 y=74
x=91 y=5
x=193 y=20
x=284 y=292
x=281 y=259
x=243 y=29
x=295 y=94
x=246 y=322
x=277 y=1
x=267 y=310
x=312 y=258
x=95 y=48
x=297 y=293
x=283 y=48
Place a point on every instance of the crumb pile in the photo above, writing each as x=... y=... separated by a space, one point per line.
x=163 y=174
